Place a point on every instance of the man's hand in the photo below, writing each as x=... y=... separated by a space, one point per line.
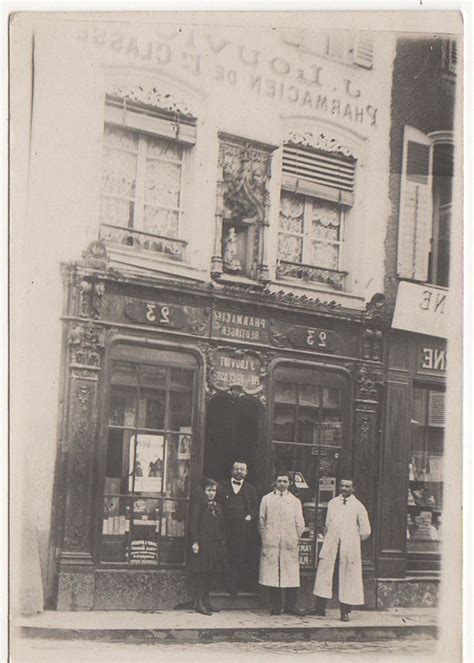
x=195 y=547
x=248 y=517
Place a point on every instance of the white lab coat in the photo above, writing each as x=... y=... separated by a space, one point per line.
x=280 y=525
x=346 y=525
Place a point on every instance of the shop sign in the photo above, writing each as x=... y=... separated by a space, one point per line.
x=166 y=315
x=422 y=309
x=232 y=325
x=310 y=338
x=235 y=369
x=432 y=359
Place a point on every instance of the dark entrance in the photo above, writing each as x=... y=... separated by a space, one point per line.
x=232 y=431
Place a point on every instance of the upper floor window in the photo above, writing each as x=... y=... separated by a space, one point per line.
x=425 y=207
x=316 y=198
x=144 y=156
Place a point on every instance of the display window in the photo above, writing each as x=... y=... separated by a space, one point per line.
x=309 y=419
x=148 y=457
x=425 y=493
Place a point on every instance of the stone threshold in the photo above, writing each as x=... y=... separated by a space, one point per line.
x=187 y=626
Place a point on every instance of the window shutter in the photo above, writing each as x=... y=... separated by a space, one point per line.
x=414 y=228
x=363 y=53
x=325 y=174
x=437 y=409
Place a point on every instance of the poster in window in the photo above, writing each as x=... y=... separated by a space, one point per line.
x=184 y=445
x=148 y=467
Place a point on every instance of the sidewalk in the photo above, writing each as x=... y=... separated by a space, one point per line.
x=187 y=626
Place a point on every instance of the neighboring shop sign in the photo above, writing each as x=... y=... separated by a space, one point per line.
x=230 y=369
x=432 y=359
x=422 y=309
x=306 y=553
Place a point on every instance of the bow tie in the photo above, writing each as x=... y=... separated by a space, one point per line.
x=236 y=483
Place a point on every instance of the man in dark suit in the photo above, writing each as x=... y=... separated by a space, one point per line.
x=240 y=508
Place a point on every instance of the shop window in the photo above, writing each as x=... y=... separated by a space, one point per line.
x=144 y=156
x=309 y=410
x=425 y=494
x=316 y=198
x=425 y=207
x=148 y=458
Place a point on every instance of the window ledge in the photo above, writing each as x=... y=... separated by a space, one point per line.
x=133 y=259
x=231 y=279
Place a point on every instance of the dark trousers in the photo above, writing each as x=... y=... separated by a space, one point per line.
x=202 y=583
x=321 y=602
x=276 y=597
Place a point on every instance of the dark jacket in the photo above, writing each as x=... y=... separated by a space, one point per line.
x=208 y=531
x=249 y=500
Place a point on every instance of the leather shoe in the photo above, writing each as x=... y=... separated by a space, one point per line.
x=275 y=611
x=345 y=617
x=298 y=612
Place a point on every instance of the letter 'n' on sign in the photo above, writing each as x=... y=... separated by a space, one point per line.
x=414 y=228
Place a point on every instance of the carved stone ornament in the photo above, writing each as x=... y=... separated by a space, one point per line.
x=375 y=309
x=96 y=255
x=318 y=141
x=368 y=381
x=372 y=345
x=151 y=96
x=86 y=343
x=245 y=179
x=91 y=292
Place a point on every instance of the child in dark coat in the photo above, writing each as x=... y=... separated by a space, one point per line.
x=208 y=557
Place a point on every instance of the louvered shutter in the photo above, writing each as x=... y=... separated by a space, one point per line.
x=437 y=409
x=326 y=175
x=363 y=52
x=414 y=228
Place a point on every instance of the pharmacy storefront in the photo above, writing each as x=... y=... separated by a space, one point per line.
x=166 y=383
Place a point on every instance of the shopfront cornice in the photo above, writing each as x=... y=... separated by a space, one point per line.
x=245 y=295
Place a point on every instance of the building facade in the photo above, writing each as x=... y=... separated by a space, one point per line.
x=220 y=204
x=424 y=225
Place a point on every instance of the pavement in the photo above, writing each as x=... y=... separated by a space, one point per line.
x=186 y=626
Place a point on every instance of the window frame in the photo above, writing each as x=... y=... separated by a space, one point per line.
x=149 y=123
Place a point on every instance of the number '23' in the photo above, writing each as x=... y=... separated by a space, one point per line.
x=154 y=314
x=316 y=338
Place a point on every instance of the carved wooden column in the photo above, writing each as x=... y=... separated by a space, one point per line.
x=85 y=343
x=76 y=579
x=368 y=384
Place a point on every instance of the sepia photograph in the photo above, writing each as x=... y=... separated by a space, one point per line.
x=235 y=288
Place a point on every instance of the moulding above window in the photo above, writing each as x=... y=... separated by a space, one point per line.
x=318 y=141
x=438 y=137
x=152 y=97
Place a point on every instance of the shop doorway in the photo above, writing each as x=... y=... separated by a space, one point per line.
x=232 y=432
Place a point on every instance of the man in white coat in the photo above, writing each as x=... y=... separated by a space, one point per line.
x=347 y=524
x=281 y=524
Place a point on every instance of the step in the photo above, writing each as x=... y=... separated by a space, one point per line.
x=229 y=625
